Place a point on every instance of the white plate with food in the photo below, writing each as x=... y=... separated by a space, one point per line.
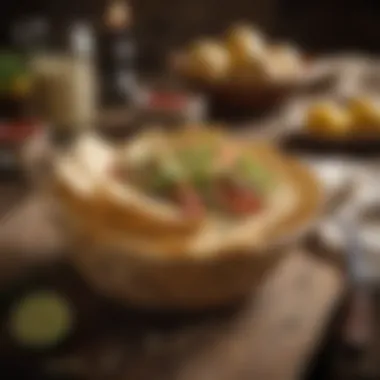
x=348 y=124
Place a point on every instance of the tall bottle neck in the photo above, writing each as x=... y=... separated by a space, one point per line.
x=81 y=40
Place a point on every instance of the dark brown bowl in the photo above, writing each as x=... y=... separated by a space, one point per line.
x=244 y=98
x=249 y=97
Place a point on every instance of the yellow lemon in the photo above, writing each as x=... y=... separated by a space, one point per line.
x=328 y=120
x=365 y=113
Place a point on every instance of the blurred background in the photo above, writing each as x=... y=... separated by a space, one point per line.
x=68 y=67
x=318 y=26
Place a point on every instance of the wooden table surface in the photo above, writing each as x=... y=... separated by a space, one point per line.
x=273 y=336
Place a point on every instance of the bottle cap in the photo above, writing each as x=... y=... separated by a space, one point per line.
x=118 y=15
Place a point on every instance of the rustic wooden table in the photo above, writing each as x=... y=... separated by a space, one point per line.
x=273 y=336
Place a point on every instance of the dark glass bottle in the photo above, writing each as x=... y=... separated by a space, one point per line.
x=116 y=56
x=29 y=37
x=30 y=34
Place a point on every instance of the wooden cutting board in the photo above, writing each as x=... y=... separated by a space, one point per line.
x=273 y=336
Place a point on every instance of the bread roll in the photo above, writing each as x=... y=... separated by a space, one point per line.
x=208 y=60
x=284 y=61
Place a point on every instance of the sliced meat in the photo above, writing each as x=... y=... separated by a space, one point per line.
x=237 y=199
x=189 y=201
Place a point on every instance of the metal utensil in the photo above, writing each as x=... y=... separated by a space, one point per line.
x=358 y=327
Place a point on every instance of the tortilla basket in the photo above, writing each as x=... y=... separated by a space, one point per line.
x=185 y=282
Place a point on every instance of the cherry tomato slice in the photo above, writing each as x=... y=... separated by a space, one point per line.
x=190 y=202
x=239 y=200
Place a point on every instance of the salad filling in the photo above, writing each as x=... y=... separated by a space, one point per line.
x=199 y=177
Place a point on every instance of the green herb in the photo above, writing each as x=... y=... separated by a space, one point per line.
x=198 y=161
x=255 y=174
x=167 y=173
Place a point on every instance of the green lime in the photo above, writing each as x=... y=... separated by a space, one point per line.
x=41 y=319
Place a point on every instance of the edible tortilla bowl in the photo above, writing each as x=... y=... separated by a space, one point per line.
x=92 y=200
x=160 y=272
x=142 y=214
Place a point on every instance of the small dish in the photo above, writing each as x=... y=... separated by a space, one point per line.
x=335 y=125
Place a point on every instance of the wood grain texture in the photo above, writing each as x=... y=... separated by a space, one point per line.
x=272 y=336
x=275 y=338
x=27 y=235
x=10 y=195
